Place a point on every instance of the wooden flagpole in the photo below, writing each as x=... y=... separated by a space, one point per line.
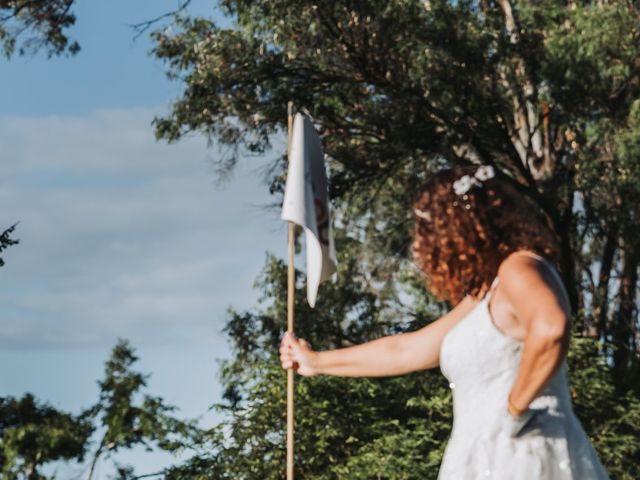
x=290 y=308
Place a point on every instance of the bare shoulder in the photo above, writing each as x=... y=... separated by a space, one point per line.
x=519 y=266
x=526 y=276
x=524 y=261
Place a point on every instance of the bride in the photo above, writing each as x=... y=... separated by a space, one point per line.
x=484 y=247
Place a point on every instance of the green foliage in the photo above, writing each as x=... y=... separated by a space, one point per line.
x=392 y=428
x=346 y=428
x=6 y=241
x=33 y=434
x=356 y=428
x=592 y=55
x=127 y=417
x=610 y=418
x=544 y=91
x=362 y=70
x=394 y=85
x=46 y=21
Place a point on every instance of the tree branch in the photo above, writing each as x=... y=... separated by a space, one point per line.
x=141 y=27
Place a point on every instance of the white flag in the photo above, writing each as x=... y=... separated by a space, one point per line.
x=306 y=203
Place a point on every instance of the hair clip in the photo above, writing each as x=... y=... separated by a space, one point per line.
x=464 y=183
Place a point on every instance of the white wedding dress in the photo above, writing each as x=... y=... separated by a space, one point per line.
x=481 y=364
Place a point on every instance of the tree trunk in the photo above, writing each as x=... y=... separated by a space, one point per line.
x=30 y=471
x=564 y=225
x=601 y=301
x=94 y=461
x=623 y=329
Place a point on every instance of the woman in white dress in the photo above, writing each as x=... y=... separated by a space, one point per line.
x=484 y=247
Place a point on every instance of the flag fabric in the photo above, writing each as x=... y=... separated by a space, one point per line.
x=306 y=203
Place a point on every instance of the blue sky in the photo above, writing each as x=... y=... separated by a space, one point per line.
x=120 y=236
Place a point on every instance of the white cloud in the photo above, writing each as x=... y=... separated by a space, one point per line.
x=122 y=236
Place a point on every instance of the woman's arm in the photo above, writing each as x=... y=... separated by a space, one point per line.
x=386 y=356
x=540 y=305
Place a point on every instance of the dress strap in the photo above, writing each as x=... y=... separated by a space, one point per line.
x=547 y=263
x=494 y=284
x=528 y=253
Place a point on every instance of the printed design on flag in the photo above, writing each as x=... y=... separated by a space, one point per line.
x=322 y=219
x=322 y=211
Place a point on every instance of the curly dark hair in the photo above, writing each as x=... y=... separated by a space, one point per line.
x=460 y=239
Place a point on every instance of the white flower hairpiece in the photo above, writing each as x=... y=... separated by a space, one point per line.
x=464 y=183
x=424 y=215
x=485 y=172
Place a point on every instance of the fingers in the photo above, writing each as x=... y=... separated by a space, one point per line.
x=287 y=351
x=293 y=351
x=288 y=343
x=289 y=340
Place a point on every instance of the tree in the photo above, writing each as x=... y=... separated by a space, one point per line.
x=128 y=418
x=32 y=434
x=547 y=92
x=6 y=241
x=47 y=23
x=43 y=22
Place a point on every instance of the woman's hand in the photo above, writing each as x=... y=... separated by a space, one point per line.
x=297 y=354
x=513 y=425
